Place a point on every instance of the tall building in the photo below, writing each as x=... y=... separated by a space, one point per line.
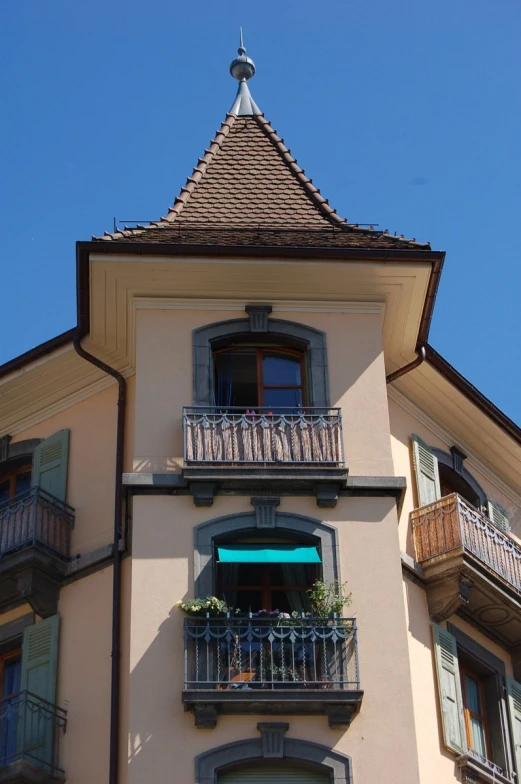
x=249 y=410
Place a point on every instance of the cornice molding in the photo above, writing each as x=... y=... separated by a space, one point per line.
x=278 y=306
x=449 y=438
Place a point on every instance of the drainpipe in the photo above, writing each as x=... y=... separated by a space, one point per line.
x=118 y=536
x=406 y=368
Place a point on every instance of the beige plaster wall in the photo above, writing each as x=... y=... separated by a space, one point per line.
x=90 y=481
x=162 y=738
x=436 y=763
x=84 y=663
x=164 y=384
x=403 y=425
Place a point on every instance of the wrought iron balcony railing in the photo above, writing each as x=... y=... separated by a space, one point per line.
x=30 y=730
x=451 y=524
x=35 y=518
x=261 y=653
x=301 y=436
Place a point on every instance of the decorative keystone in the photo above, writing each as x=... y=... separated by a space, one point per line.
x=457 y=459
x=4 y=447
x=258 y=317
x=272 y=736
x=265 y=511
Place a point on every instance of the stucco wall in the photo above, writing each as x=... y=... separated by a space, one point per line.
x=163 y=738
x=164 y=383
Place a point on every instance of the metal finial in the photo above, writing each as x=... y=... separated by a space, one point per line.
x=242 y=67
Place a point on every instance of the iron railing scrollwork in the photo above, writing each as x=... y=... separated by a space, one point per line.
x=452 y=523
x=30 y=729
x=272 y=436
x=252 y=653
x=35 y=518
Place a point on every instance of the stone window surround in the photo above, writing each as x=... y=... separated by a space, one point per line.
x=447 y=459
x=312 y=340
x=20 y=450
x=206 y=533
x=304 y=753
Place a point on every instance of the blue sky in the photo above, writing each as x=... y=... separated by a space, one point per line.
x=405 y=114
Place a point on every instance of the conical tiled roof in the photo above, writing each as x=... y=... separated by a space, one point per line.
x=247 y=189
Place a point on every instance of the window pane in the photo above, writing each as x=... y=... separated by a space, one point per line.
x=478 y=736
x=11 y=679
x=281 y=370
x=4 y=491
x=236 y=378
x=276 y=398
x=23 y=482
x=473 y=701
x=290 y=601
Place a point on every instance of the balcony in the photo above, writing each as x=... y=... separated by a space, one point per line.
x=264 y=449
x=249 y=665
x=470 y=566
x=30 y=730
x=34 y=550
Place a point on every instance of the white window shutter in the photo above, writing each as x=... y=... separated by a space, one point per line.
x=449 y=688
x=498 y=516
x=426 y=471
x=514 y=710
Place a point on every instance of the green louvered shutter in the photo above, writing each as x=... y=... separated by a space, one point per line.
x=39 y=666
x=514 y=710
x=50 y=464
x=449 y=688
x=278 y=775
x=498 y=516
x=426 y=470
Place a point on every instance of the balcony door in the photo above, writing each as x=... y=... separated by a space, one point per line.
x=252 y=377
x=10 y=672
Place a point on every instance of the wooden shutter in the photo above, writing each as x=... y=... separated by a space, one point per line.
x=426 y=470
x=449 y=689
x=39 y=666
x=498 y=516
x=514 y=710
x=50 y=464
x=278 y=775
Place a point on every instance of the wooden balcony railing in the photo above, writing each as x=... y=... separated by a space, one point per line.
x=283 y=436
x=36 y=518
x=451 y=524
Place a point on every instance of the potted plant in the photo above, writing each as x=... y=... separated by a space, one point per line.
x=328 y=599
x=210 y=607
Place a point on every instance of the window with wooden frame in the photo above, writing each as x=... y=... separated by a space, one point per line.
x=473 y=693
x=14 y=482
x=258 y=584
x=259 y=376
x=10 y=678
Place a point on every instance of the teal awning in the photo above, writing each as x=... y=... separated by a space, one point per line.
x=274 y=553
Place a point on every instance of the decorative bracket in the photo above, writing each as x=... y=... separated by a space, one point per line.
x=327 y=495
x=258 y=317
x=339 y=716
x=205 y=717
x=40 y=591
x=272 y=735
x=203 y=493
x=265 y=511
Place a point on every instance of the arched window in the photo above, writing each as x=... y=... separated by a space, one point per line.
x=272 y=573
